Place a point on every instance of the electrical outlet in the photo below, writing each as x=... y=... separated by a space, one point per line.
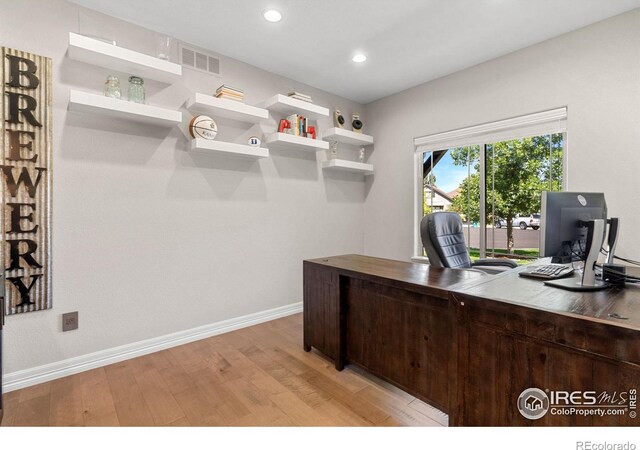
x=70 y=321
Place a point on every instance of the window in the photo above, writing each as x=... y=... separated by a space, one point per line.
x=495 y=184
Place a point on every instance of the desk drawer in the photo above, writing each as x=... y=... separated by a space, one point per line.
x=601 y=339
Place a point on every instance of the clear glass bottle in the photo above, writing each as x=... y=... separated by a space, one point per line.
x=164 y=46
x=334 y=149
x=112 y=87
x=136 y=90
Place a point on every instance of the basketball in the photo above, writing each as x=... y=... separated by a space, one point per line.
x=203 y=127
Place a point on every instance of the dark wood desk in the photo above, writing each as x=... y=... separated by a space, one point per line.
x=392 y=318
x=469 y=343
x=519 y=333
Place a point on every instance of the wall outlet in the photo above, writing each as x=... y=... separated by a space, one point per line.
x=70 y=321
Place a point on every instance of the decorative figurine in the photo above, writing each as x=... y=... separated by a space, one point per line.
x=356 y=123
x=338 y=119
x=311 y=132
x=284 y=126
x=254 y=141
x=361 y=154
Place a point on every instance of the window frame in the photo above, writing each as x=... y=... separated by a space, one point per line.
x=553 y=121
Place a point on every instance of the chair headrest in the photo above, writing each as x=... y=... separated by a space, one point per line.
x=445 y=223
x=443 y=239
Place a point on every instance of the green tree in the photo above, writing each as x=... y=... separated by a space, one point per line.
x=429 y=180
x=519 y=169
x=467 y=202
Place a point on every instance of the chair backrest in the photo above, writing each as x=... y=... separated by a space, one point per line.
x=443 y=239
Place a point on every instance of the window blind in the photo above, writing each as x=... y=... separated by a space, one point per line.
x=545 y=122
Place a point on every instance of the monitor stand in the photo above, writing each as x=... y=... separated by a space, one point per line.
x=595 y=238
x=576 y=284
x=612 y=241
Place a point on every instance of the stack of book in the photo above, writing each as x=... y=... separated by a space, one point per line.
x=230 y=93
x=299 y=125
x=299 y=96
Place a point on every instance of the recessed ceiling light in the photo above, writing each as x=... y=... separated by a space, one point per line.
x=359 y=57
x=271 y=15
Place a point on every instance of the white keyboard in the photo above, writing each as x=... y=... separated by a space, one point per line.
x=547 y=271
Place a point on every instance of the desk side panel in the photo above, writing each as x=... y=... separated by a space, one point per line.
x=321 y=311
x=509 y=349
x=400 y=336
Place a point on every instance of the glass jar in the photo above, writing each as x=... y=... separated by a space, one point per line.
x=112 y=87
x=136 y=89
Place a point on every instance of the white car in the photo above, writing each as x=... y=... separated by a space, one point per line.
x=524 y=222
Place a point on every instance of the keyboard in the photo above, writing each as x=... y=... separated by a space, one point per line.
x=547 y=271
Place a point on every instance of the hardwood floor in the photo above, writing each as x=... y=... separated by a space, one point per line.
x=257 y=376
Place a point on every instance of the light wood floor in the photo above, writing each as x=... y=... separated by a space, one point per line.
x=257 y=376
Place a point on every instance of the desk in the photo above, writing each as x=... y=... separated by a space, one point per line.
x=469 y=343
x=391 y=318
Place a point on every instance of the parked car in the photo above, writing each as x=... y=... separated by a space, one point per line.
x=524 y=222
x=499 y=223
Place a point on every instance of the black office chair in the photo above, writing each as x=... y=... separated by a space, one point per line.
x=443 y=239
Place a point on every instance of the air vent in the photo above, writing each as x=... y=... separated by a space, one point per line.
x=200 y=61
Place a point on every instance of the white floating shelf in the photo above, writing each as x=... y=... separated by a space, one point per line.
x=287 y=105
x=348 y=166
x=99 y=104
x=289 y=141
x=228 y=149
x=226 y=109
x=347 y=137
x=93 y=51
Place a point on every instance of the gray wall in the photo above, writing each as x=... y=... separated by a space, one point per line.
x=594 y=71
x=149 y=239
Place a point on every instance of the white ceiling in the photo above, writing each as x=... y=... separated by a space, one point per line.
x=407 y=42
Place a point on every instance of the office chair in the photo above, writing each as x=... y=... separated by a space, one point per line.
x=443 y=239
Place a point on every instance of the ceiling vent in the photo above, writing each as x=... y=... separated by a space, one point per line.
x=200 y=61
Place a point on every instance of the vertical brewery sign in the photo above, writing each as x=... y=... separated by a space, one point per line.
x=25 y=168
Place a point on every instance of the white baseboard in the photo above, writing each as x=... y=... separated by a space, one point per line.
x=36 y=375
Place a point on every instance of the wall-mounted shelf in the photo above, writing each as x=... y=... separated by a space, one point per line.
x=344 y=165
x=287 y=105
x=99 y=104
x=93 y=51
x=289 y=141
x=225 y=109
x=228 y=149
x=346 y=137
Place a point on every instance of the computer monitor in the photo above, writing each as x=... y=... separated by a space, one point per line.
x=563 y=235
x=574 y=227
